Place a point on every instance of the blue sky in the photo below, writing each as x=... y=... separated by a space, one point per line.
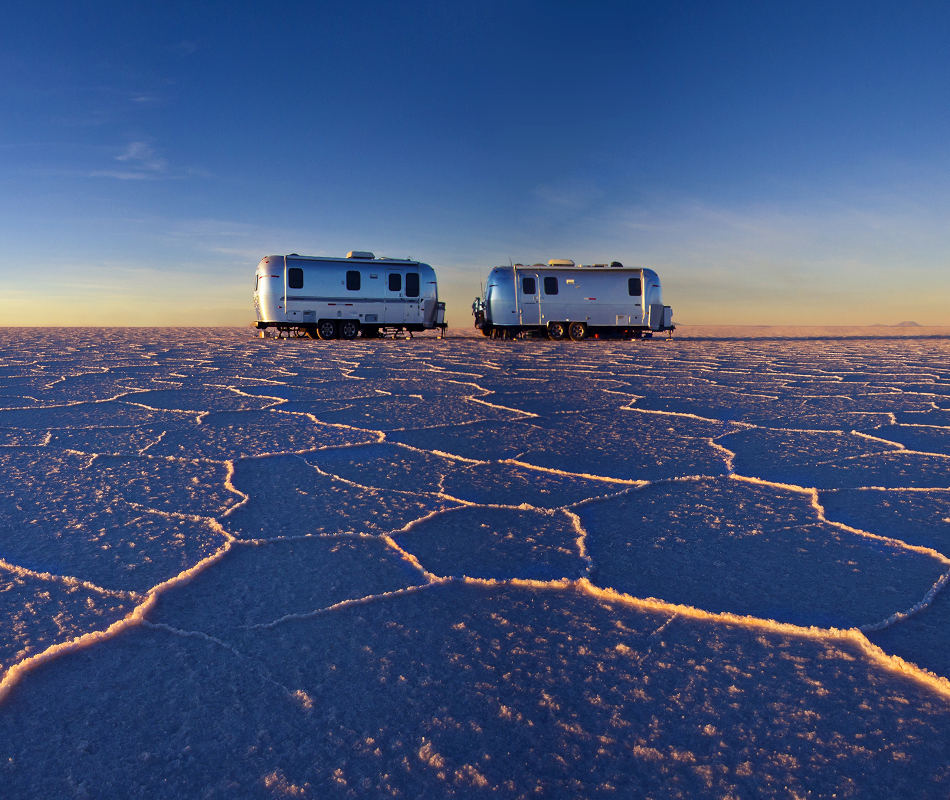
x=776 y=163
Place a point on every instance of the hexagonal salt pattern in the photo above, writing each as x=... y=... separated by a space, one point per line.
x=464 y=568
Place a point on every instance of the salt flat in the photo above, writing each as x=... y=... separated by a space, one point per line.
x=234 y=567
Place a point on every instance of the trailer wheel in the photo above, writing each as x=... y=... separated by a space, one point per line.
x=326 y=329
x=577 y=331
x=349 y=328
x=556 y=330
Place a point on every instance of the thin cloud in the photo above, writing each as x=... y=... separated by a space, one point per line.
x=140 y=162
x=143 y=156
x=186 y=47
x=123 y=175
x=145 y=99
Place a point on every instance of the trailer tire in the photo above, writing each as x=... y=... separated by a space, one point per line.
x=326 y=329
x=577 y=331
x=349 y=328
x=556 y=331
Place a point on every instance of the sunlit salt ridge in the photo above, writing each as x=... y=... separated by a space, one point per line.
x=467 y=566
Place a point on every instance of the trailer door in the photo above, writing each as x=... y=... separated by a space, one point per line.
x=635 y=298
x=529 y=290
x=414 y=301
x=394 y=311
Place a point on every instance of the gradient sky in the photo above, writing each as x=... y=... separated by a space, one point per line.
x=775 y=162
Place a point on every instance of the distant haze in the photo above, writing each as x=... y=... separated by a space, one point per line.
x=776 y=164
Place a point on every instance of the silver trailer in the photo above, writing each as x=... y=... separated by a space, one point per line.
x=328 y=298
x=561 y=299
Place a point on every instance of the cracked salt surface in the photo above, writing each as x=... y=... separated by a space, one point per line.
x=430 y=568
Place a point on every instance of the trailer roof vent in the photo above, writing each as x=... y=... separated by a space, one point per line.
x=616 y=264
x=560 y=262
x=360 y=254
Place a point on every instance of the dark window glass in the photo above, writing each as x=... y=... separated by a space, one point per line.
x=353 y=280
x=295 y=278
x=395 y=282
x=527 y=286
x=412 y=284
x=550 y=285
x=633 y=287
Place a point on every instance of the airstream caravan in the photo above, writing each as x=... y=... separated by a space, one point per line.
x=363 y=295
x=562 y=299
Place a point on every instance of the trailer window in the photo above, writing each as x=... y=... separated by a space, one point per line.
x=395 y=282
x=550 y=285
x=633 y=287
x=353 y=280
x=412 y=284
x=528 y=286
x=295 y=278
